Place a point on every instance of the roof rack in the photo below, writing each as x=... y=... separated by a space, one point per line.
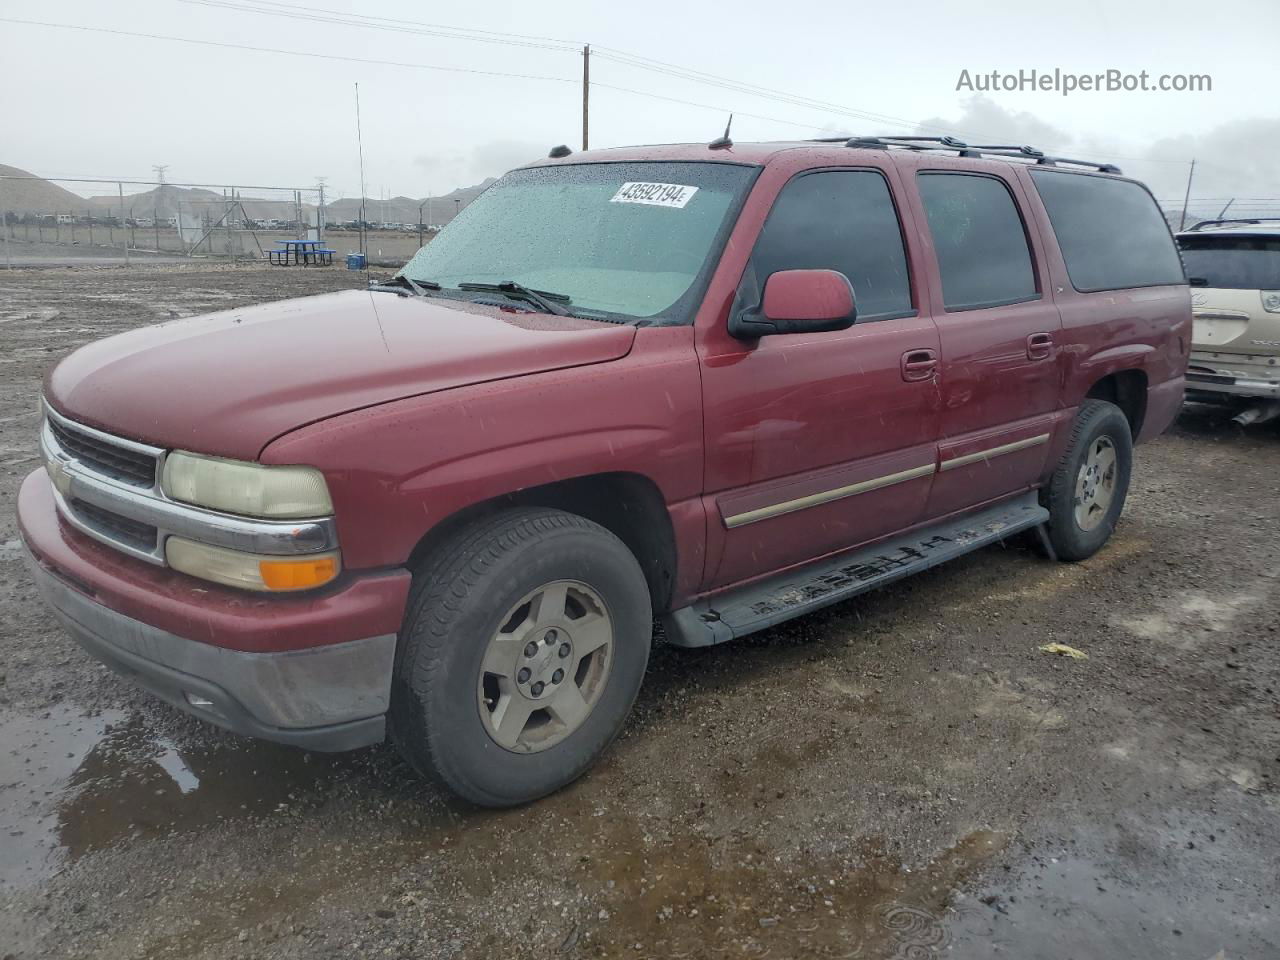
x=1219 y=223
x=974 y=150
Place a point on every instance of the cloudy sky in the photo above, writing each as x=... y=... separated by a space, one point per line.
x=441 y=111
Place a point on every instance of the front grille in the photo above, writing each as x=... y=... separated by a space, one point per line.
x=140 y=536
x=117 y=462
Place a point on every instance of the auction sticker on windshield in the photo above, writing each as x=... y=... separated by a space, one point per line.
x=654 y=194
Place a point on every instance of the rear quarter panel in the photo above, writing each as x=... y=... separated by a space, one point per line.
x=1147 y=329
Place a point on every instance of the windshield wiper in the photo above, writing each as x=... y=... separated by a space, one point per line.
x=543 y=299
x=416 y=287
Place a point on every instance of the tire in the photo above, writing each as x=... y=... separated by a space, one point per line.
x=513 y=581
x=1084 y=506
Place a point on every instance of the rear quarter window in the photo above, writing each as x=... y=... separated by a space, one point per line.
x=1111 y=232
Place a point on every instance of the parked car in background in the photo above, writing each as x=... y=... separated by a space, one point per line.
x=1234 y=270
x=722 y=386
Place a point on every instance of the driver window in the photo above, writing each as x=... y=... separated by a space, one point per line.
x=840 y=220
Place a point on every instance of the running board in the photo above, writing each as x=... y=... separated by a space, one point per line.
x=769 y=602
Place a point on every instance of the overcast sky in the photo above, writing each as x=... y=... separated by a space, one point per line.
x=79 y=103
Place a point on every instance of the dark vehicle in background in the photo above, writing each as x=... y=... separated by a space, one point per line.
x=1234 y=270
x=720 y=385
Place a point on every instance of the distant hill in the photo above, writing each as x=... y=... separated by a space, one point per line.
x=41 y=196
x=36 y=196
x=439 y=210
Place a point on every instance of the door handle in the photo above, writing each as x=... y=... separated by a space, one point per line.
x=919 y=365
x=1040 y=346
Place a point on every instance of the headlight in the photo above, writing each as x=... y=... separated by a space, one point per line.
x=251 y=571
x=248 y=489
x=1271 y=301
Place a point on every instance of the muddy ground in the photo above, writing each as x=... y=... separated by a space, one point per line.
x=904 y=775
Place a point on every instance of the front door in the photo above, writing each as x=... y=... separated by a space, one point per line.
x=819 y=442
x=1000 y=334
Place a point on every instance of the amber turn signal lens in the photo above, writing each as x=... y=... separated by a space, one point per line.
x=251 y=571
x=300 y=574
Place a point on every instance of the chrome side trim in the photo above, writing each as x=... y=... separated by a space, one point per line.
x=826 y=496
x=279 y=537
x=999 y=451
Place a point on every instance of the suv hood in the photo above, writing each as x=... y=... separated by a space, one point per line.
x=229 y=383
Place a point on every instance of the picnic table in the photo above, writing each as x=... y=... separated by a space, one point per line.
x=309 y=253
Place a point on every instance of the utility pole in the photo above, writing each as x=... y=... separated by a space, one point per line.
x=320 y=214
x=360 y=144
x=124 y=223
x=8 y=259
x=586 y=92
x=1187 y=198
x=159 y=169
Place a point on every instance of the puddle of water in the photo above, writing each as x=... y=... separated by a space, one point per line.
x=38 y=756
x=70 y=784
x=1071 y=907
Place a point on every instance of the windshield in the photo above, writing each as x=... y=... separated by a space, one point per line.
x=1232 y=263
x=627 y=240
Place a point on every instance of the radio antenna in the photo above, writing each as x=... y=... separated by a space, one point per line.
x=722 y=143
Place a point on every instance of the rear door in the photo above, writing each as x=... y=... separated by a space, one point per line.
x=998 y=330
x=818 y=442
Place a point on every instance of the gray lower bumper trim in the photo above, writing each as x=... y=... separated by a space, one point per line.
x=329 y=698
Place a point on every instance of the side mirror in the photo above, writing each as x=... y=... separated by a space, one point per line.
x=798 y=301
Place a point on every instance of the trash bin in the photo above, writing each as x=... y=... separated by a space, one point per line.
x=355 y=261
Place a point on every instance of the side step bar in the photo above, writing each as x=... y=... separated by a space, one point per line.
x=769 y=602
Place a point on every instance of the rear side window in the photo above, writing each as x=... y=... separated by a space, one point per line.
x=979 y=239
x=839 y=220
x=1111 y=233
x=1232 y=263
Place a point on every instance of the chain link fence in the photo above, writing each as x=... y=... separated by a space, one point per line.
x=1218 y=208
x=51 y=220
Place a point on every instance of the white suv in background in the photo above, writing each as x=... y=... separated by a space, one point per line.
x=1234 y=270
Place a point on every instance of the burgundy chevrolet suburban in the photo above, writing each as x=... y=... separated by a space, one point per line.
x=719 y=385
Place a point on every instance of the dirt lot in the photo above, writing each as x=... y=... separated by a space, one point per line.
x=901 y=776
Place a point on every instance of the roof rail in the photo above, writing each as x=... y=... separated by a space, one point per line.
x=1219 y=223
x=974 y=150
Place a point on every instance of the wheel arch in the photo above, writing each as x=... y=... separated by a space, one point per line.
x=628 y=505
x=1127 y=389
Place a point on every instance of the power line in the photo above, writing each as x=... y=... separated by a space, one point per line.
x=323 y=15
x=618 y=56
x=571 y=44
x=621 y=57
x=287 y=53
x=318 y=15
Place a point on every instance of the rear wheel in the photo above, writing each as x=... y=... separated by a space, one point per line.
x=523 y=648
x=1087 y=492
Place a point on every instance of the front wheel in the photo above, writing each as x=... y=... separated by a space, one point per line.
x=1088 y=489
x=523 y=649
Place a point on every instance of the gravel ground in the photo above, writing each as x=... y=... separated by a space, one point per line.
x=904 y=775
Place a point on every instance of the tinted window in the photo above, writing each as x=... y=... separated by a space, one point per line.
x=979 y=239
x=840 y=220
x=1111 y=232
x=1233 y=263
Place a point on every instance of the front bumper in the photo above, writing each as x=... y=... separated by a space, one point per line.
x=325 y=698
x=309 y=670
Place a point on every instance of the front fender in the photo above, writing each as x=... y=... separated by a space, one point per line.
x=397 y=470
